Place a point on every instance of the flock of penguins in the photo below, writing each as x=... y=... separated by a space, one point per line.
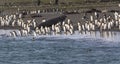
x=105 y=23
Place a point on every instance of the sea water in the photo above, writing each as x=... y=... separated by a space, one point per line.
x=61 y=49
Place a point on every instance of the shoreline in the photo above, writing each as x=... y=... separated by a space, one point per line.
x=75 y=18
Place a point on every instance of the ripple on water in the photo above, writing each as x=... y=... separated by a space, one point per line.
x=59 y=50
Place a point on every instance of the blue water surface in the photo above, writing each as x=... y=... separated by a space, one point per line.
x=74 y=49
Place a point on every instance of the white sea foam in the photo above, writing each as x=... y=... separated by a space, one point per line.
x=107 y=36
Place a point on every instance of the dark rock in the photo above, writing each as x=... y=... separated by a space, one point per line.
x=50 y=22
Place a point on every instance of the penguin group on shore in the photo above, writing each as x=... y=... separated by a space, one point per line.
x=68 y=27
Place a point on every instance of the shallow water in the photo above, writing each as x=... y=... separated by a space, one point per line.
x=61 y=49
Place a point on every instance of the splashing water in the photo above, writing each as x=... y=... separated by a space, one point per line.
x=107 y=35
x=94 y=48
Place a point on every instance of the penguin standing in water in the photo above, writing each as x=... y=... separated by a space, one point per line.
x=33 y=39
x=13 y=34
x=34 y=35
